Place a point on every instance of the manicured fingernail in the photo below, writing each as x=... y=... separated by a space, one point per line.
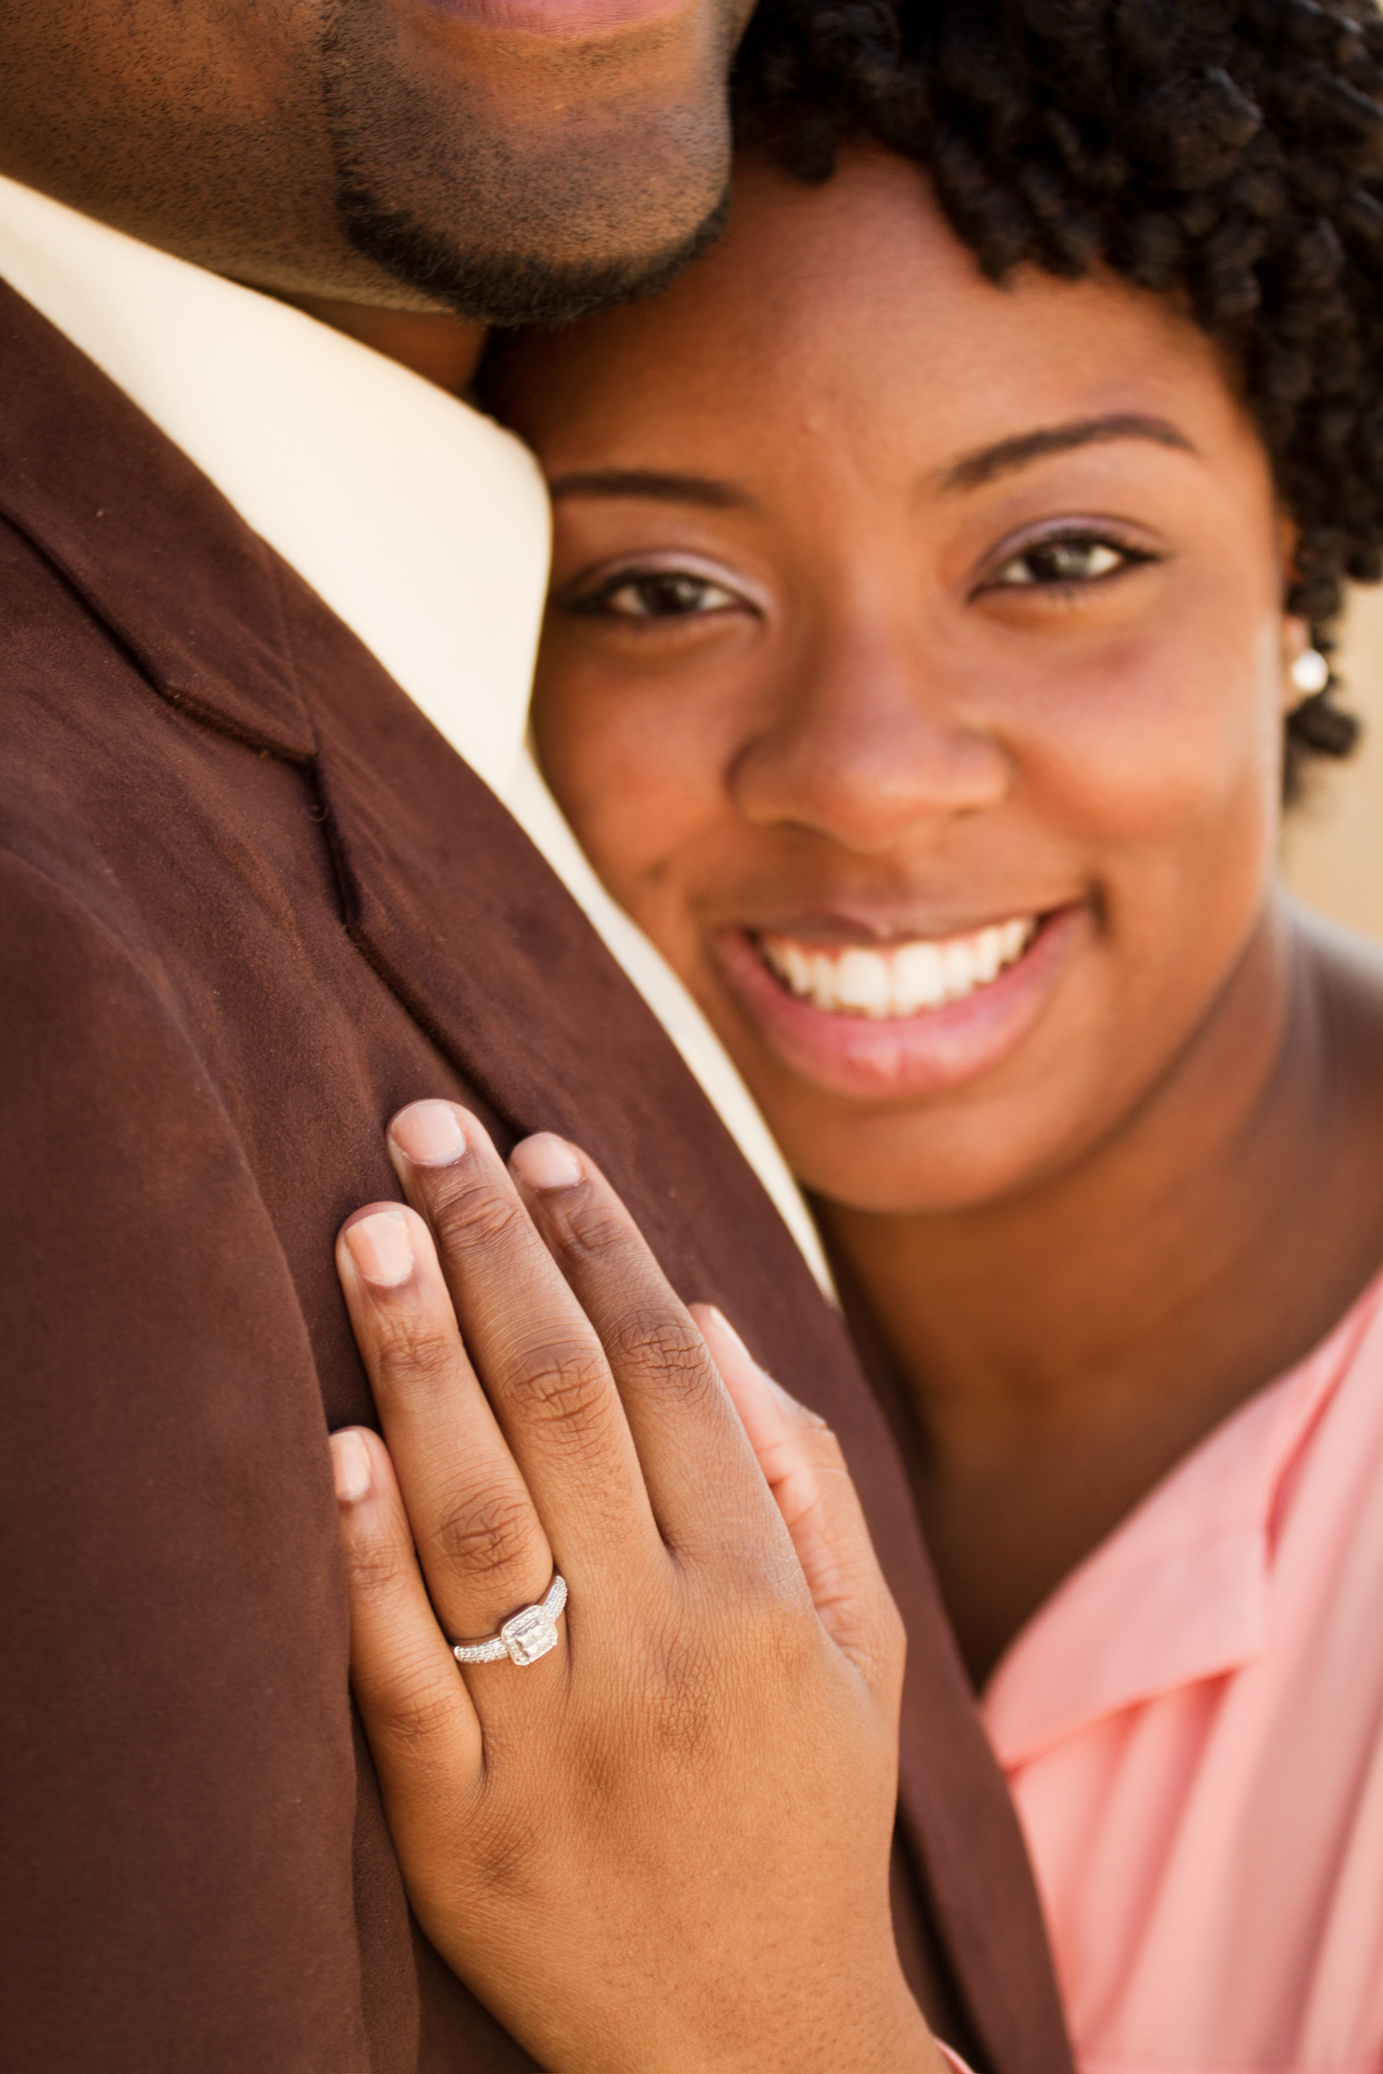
x=545 y=1162
x=381 y=1248
x=350 y=1466
x=429 y=1134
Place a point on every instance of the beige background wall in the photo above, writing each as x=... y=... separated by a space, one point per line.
x=1333 y=843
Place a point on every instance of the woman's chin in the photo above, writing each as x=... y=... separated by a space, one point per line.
x=882 y=1056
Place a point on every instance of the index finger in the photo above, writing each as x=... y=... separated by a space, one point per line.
x=536 y=1352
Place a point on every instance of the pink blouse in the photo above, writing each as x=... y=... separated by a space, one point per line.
x=1192 y=1727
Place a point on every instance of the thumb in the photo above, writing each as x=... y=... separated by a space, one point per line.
x=805 y=1470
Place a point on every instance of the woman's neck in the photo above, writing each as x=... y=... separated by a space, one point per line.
x=1062 y=1350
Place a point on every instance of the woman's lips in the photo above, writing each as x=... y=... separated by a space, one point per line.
x=900 y=1019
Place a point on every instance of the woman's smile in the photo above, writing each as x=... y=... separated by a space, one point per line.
x=897 y=979
x=912 y=1015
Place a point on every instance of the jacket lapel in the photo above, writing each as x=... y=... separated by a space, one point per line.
x=143 y=538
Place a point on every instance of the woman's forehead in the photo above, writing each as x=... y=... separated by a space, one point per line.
x=855 y=299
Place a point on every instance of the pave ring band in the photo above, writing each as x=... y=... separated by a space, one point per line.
x=529 y=1634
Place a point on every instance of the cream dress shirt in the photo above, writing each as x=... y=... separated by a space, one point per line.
x=422 y=524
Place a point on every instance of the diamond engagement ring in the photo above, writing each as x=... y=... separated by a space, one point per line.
x=523 y=1639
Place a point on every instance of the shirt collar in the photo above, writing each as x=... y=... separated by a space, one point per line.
x=1180 y=1591
x=422 y=524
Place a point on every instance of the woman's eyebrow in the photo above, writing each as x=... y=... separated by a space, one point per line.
x=986 y=462
x=650 y=483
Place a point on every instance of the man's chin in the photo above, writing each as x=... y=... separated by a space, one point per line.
x=511 y=288
x=517 y=181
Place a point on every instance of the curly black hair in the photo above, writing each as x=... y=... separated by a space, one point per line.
x=1227 y=152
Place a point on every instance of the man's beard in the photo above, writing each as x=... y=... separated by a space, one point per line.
x=460 y=195
x=503 y=289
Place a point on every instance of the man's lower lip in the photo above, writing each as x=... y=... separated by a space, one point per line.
x=920 y=1054
x=561 y=20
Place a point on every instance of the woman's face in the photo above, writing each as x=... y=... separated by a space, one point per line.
x=915 y=677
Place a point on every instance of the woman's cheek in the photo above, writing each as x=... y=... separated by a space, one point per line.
x=635 y=770
x=1158 y=736
x=1172 y=784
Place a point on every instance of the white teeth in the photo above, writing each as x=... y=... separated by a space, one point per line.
x=797 y=969
x=862 y=982
x=919 y=977
x=989 y=955
x=823 y=982
x=961 y=975
x=903 y=979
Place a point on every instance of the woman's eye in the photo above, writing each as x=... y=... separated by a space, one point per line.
x=661 y=594
x=1060 y=562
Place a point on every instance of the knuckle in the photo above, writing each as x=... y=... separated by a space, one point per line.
x=567 y=1384
x=377 y=1569
x=476 y=1218
x=594 y=1234
x=657 y=1340
x=489 y=1534
x=418 y=1351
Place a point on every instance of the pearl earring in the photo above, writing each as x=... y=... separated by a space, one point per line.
x=1310 y=672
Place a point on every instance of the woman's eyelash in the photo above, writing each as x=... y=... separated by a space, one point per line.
x=654 y=594
x=1066 y=561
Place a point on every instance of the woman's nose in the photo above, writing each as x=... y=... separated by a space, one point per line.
x=867 y=745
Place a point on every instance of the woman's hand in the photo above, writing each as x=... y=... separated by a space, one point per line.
x=664 y=1844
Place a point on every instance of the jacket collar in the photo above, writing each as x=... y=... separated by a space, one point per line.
x=112 y=506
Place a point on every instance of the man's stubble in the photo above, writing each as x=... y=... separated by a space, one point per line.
x=378 y=151
x=508 y=223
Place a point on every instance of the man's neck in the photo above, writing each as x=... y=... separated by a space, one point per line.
x=444 y=350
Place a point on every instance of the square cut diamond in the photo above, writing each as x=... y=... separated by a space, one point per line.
x=529 y=1635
